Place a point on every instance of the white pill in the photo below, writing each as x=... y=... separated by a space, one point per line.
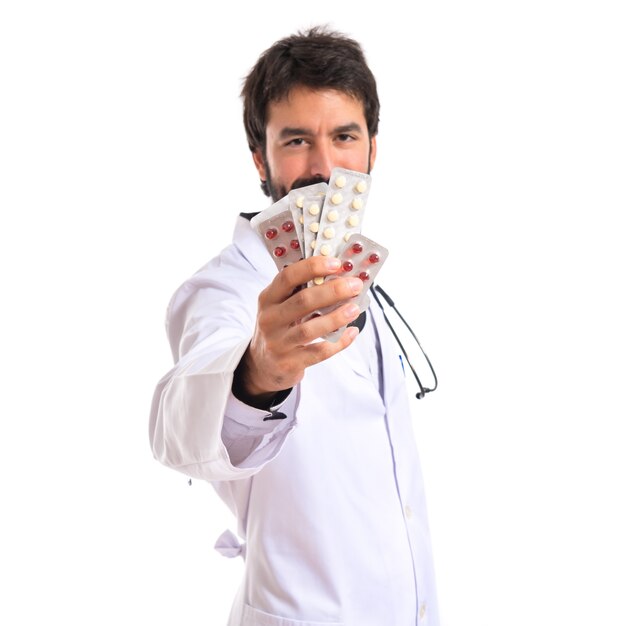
x=314 y=209
x=318 y=280
x=300 y=201
x=361 y=186
x=313 y=244
x=336 y=198
x=325 y=250
x=314 y=227
x=333 y=216
x=353 y=220
x=301 y=219
x=357 y=204
x=340 y=181
x=347 y=236
x=329 y=232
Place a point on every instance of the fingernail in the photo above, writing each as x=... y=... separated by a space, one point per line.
x=352 y=311
x=333 y=263
x=351 y=332
x=355 y=284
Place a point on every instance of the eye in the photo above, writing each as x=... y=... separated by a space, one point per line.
x=345 y=138
x=296 y=142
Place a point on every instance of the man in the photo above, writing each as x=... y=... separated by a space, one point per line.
x=309 y=442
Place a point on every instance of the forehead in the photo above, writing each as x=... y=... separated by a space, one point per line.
x=303 y=105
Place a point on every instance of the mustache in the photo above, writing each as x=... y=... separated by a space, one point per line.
x=305 y=182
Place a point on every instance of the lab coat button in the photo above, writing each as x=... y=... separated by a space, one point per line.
x=422 y=613
x=407 y=512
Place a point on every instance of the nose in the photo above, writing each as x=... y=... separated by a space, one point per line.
x=321 y=160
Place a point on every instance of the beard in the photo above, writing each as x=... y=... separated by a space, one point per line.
x=276 y=191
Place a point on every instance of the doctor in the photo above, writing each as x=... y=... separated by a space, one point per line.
x=309 y=442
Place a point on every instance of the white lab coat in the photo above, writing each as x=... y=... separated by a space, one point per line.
x=329 y=501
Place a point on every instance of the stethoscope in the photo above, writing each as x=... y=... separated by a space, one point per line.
x=422 y=390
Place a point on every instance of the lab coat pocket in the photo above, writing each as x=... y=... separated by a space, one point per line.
x=254 y=617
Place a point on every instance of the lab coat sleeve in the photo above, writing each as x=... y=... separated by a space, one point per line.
x=196 y=425
x=253 y=436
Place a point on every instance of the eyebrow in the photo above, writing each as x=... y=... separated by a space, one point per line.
x=292 y=131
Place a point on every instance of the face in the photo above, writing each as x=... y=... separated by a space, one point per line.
x=310 y=132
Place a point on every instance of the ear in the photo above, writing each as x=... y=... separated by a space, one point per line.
x=259 y=163
x=372 y=152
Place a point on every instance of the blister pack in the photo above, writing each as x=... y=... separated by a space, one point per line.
x=308 y=201
x=270 y=211
x=361 y=257
x=325 y=219
x=342 y=213
x=276 y=227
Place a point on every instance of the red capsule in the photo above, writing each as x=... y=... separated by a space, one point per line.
x=364 y=276
x=357 y=248
x=279 y=251
x=347 y=266
x=287 y=227
x=270 y=233
x=294 y=244
x=374 y=257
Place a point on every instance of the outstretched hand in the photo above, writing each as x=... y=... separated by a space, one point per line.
x=283 y=345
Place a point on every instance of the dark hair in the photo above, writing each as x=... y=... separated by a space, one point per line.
x=317 y=58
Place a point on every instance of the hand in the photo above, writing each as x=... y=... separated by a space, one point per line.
x=283 y=346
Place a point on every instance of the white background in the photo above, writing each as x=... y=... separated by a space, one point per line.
x=499 y=189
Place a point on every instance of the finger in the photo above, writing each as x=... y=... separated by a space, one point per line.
x=299 y=273
x=280 y=316
x=320 y=351
x=319 y=326
x=333 y=292
x=289 y=370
